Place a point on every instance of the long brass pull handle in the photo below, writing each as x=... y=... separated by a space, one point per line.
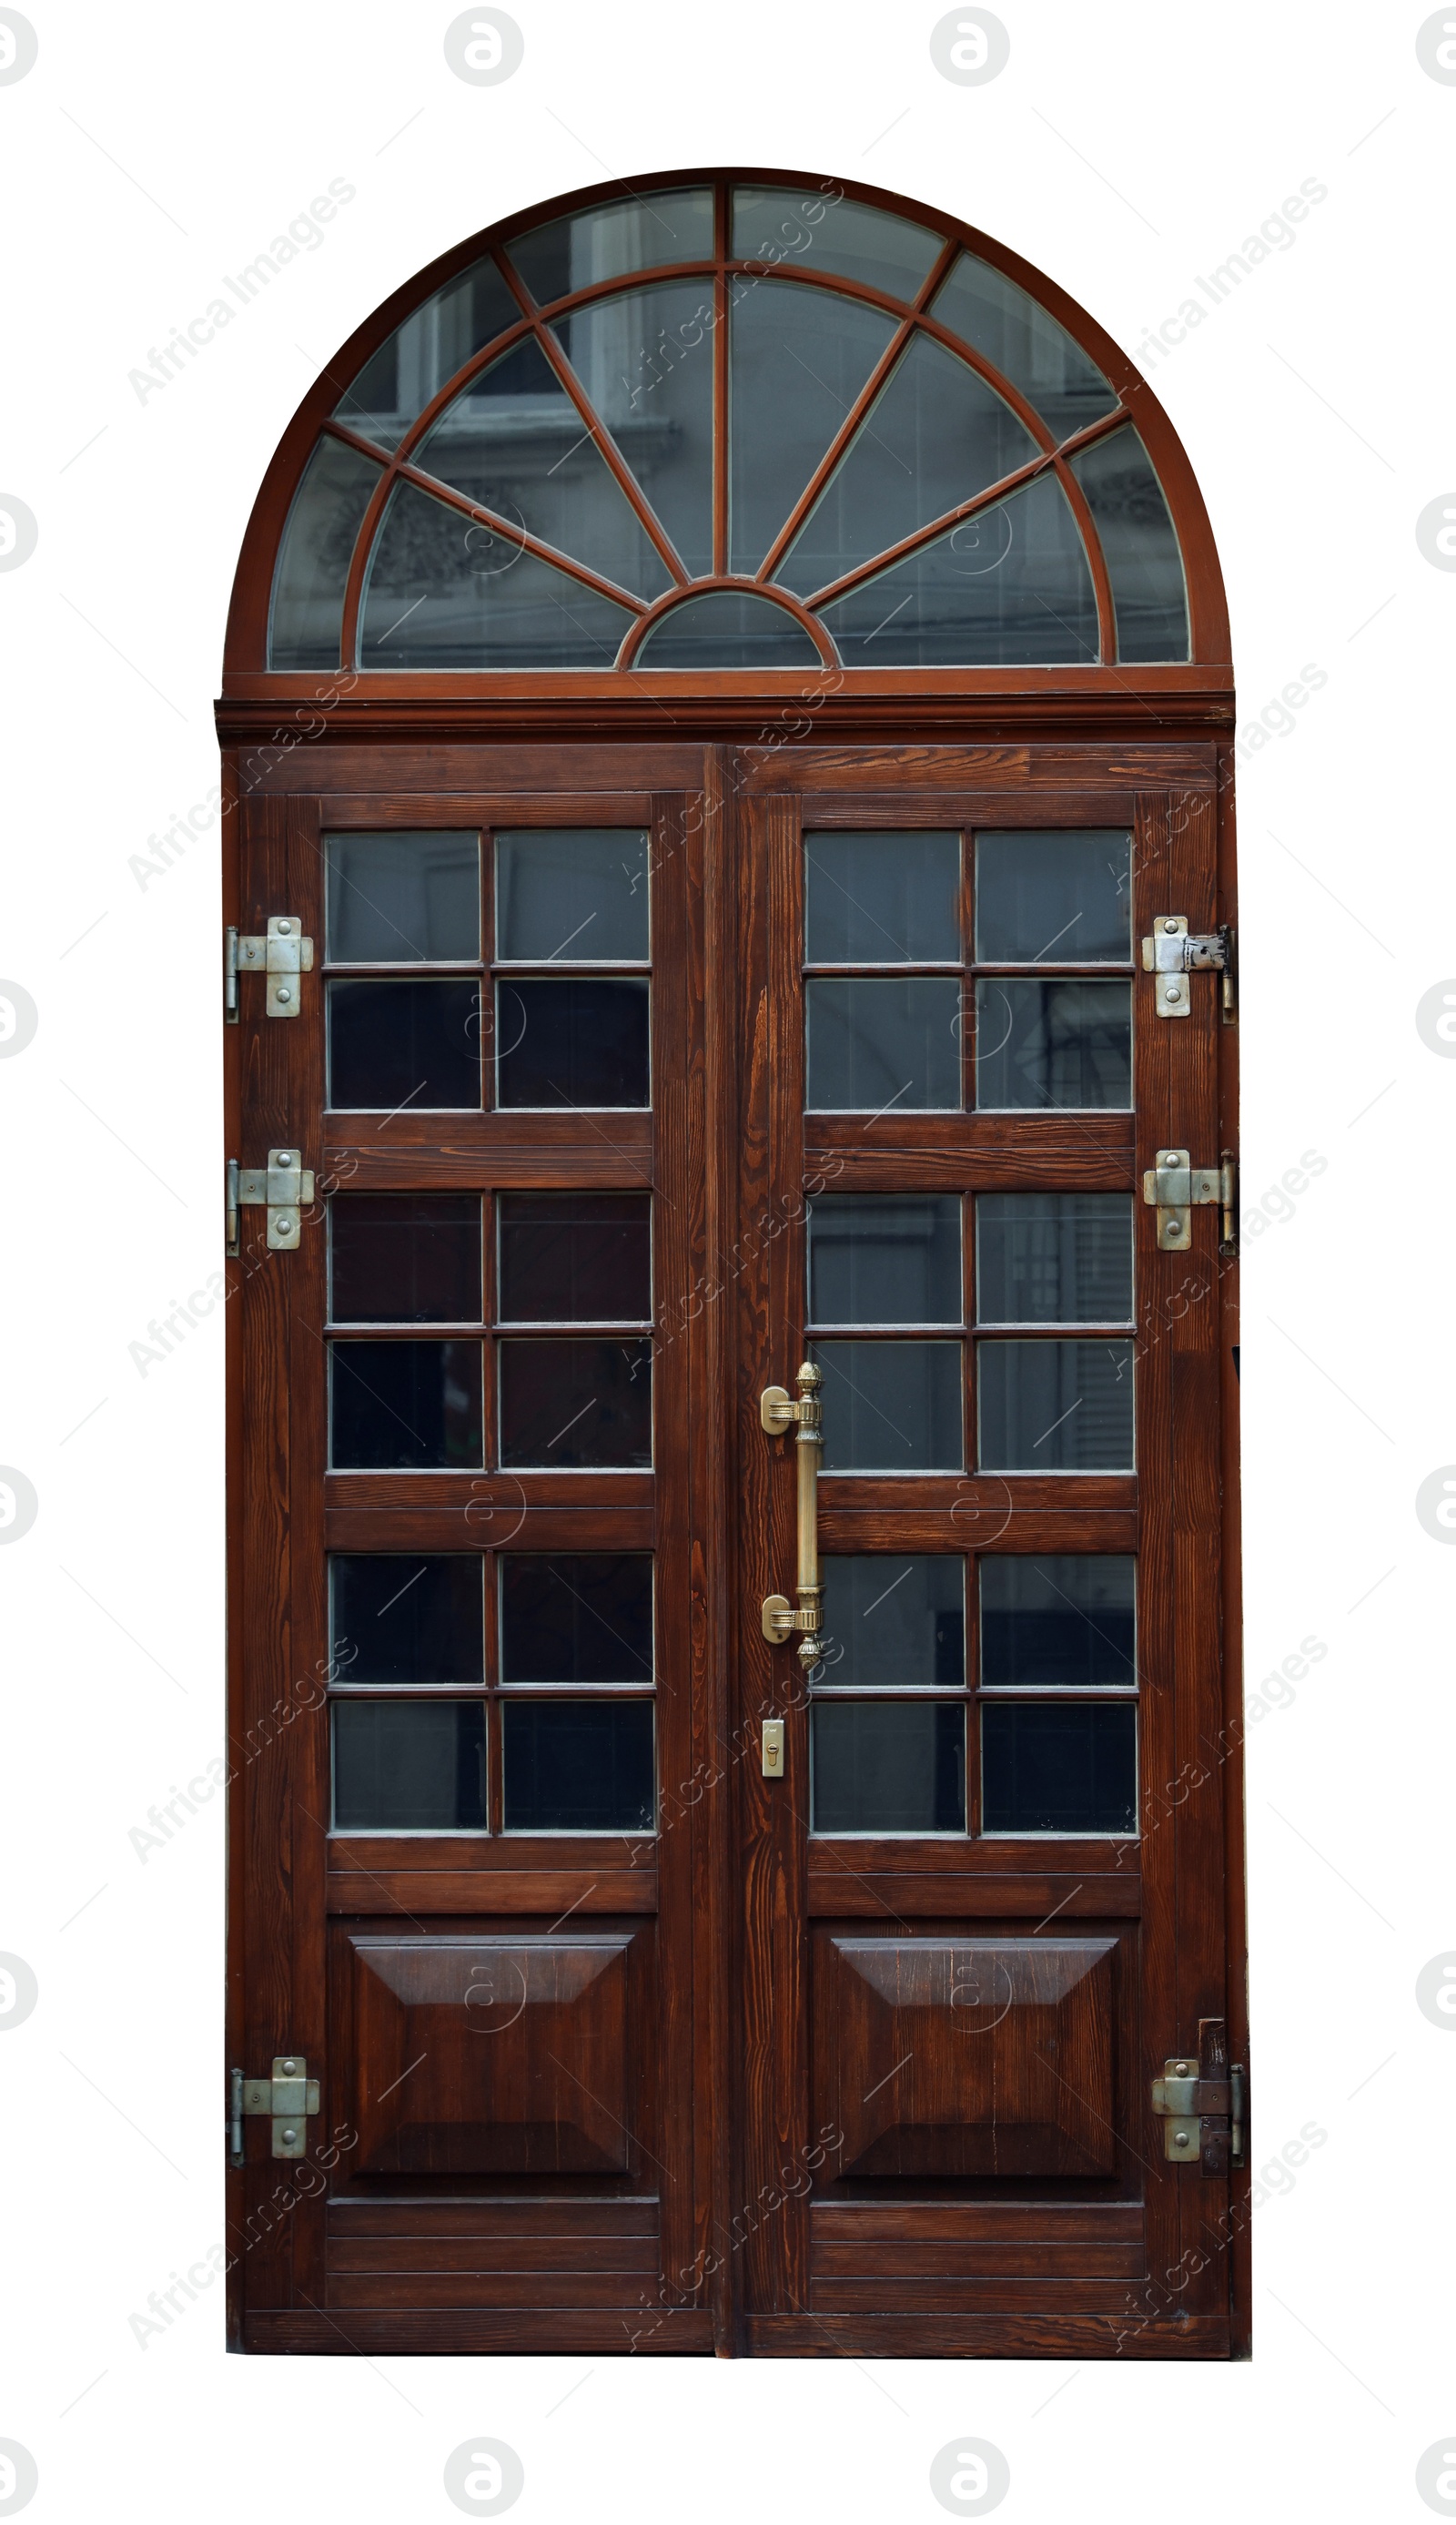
x=779 y=1412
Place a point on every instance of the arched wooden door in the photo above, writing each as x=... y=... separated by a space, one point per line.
x=726 y=724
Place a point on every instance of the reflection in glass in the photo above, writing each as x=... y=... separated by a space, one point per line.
x=890 y=1407
x=1053 y=1043
x=1060 y=898
x=885 y=1258
x=1138 y=537
x=894 y=1618
x=575 y=1404
x=576 y=1617
x=1053 y=1258
x=574 y=1043
x=577 y=1766
x=409 y=1765
x=1061 y=1618
x=444 y=589
x=579 y=896
x=1007 y=587
x=875 y=1043
x=645 y=360
x=798 y=358
x=616 y=237
x=1055 y=1407
x=405 y=1617
x=888 y=1767
x=1027 y=345
x=881 y=898
x=1058 y=1766
x=403 y=898
x=813 y=231
x=392 y=1044
x=422 y=353
x=404 y=1258
x=307 y=614
x=575 y=1257
x=405 y=1405
x=728 y=629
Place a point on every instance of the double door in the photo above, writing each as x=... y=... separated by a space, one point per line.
x=677 y=1974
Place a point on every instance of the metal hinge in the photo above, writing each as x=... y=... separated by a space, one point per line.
x=282 y=955
x=1204 y=2104
x=288 y=2098
x=1173 y=1189
x=284 y=1188
x=1172 y=955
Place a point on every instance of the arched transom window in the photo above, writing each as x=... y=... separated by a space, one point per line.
x=728 y=424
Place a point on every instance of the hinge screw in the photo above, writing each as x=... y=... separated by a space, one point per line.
x=289 y=2067
x=284 y=996
x=285 y=928
x=1170 y=927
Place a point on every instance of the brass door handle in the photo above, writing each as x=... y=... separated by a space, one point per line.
x=779 y=1412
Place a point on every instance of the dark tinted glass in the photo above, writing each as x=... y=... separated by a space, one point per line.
x=621 y=236
x=578 y=1766
x=1138 y=537
x=888 y=1767
x=444 y=589
x=407 y=1618
x=728 y=629
x=409 y=1765
x=576 y=1617
x=407 y=1405
x=567 y=1404
x=1062 y=1619
x=406 y=1257
x=1010 y=586
x=895 y=1618
x=1055 y=1407
x=577 y=898
x=1054 y=898
x=885 y=1258
x=646 y=359
x=313 y=557
x=814 y=231
x=571 y=1043
x=1058 y=1766
x=403 y=1043
x=1027 y=345
x=873 y=1045
x=403 y=898
x=1053 y=1043
x=421 y=356
x=881 y=898
x=798 y=358
x=575 y=1257
x=890 y=1407
x=1053 y=1258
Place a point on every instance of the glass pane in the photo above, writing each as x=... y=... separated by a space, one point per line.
x=576 y=1617
x=1055 y=1407
x=728 y=629
x=885 y=1258
x=403 y=898
x=409 y=1766
x=1065 y=897
x=888 y=1767
x=935 y=435
x=407 y=1618
x=575 y=1257
x=812 y=231
x=405 y=1405
x=422 y=353
x=514 y=441
x=617 y=236
x=307 y=614
x=1136 y=534
x=1058 y=1766
x=1054 y=1258
x=582 y=895
x=1027 y=345
x=1065 y=1618
x=392 y=1044
x=1066 y=1045
x=881 y=898
x=646 y=359
x=893 y=1618
x=572 y=1043
x=406 y=1257
x=445 y=591
x=578 y=1766
x=873 y=1045
x=890 y=1407
x=566 y=1404
x=798 y=358
x=1008 y=587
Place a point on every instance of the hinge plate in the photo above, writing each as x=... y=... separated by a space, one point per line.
x=287 y=2097
x=284 y=1188
x=1175 y=1188
x=1171 y=953
x=1204 y=2104
x=283 y=954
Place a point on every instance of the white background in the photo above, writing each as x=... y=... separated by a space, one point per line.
x=1123 y=150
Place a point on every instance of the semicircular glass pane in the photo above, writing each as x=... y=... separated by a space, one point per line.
x=1008 y=587
x=825 y=233
x=644 y=360
x=328 y=507
x=632 y=234
x=796 y=360
x=935 y=437
x=729 y=627
x=444 y=591
x=515 y=442
x=1138 y=537
x=421 y=355
x=1030 y=347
